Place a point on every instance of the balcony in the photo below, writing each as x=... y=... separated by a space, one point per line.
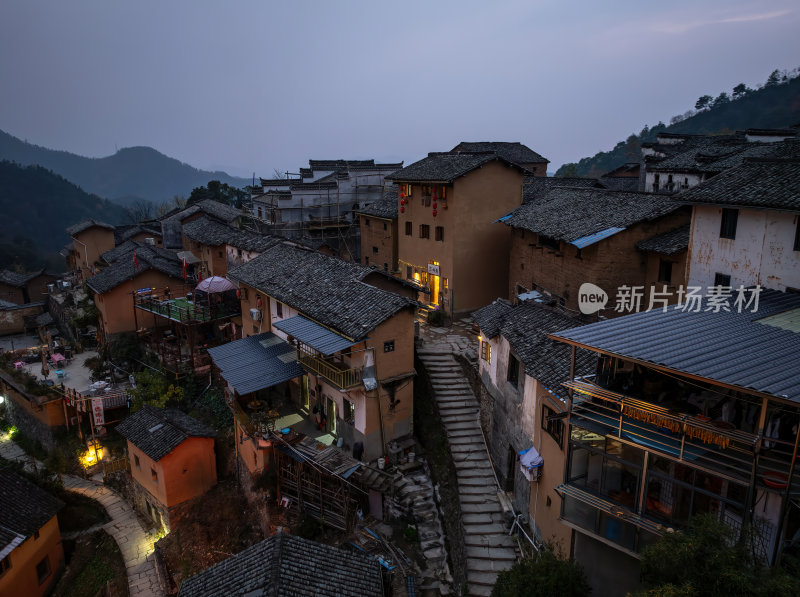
x=182 y=309
x=713 y=445
x=336 y=374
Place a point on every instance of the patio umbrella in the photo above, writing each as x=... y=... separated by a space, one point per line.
x=215 y=284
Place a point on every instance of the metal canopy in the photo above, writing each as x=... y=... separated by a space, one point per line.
x=314 y=335
x=256 y=362
x=590 y=239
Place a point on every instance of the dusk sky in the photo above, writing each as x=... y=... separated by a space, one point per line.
x=250 y=87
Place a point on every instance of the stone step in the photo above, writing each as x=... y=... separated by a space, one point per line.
x=473 y=518
x=489 y=541
x=460 y=440
x=480 y=578
x=473 y=468
x=448 y=418
x=463 y=425
x=487 y=565
x=483 y=488
x=492 y=553
x=488 y=507
x=478 y=480
x=455 y=411
x=464 y=433
x=471 y=456
x=474 y=590
x=480 y=501
x=493 y=528
x=467 y=447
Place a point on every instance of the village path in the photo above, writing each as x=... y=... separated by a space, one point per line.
x=489 y=548
x=135 y=544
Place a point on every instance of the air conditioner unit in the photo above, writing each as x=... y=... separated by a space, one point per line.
x=150 y=241
x=255 y=314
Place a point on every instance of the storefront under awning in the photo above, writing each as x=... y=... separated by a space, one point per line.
x=314 y=335
x=256 y=362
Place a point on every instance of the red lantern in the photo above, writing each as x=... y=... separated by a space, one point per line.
x=402 y=210
x=434 y=205
x=434 y=213
x=402 y=201
x=402 y=194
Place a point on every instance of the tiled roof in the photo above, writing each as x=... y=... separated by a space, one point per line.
x=158 y=432
x=349 y=165
x=536 y=187
x=446 y=167
x=275 y=182
x=526 y=328
x=668 y=243
x=513 y=152
x=211 y=232
x=16 y=279
x=123 y=233
x=285 y=565
x=222 y=212
x=490 y=317
x=299 y=185
x=325 y=289
x=85 y=225
x=569 y=214
x=620 y=183
x=123 y=267
x=385 y=207
x=24 y=507
x=739 y=349
x=767 y=183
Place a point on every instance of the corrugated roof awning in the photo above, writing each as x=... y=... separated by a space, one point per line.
x=590 y=239
x=256 y=362
x=314 y=335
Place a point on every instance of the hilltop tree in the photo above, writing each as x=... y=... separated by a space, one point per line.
x=741 y=90
x=722 y=99
x=217 y=191
x=773 y=79
x=703 y=102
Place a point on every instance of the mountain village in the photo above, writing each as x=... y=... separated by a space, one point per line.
x=401 y=379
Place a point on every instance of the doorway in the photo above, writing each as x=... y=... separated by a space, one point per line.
x=332 y=416
x=434 y=289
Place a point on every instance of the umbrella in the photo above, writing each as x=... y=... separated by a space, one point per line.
x=215 y=284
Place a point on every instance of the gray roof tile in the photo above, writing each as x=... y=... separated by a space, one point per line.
x=668 y=243
x=490 y=317
x=285 y=565
x=212 y=232
x=535 y=187
x=24 y=507
x=446 y=167
x=325 y=289
x=766 y=183
x=385 y=207
x=85 y=225
x=158 y=432
x=571 y=213
x=514 y=152
x=123 y=268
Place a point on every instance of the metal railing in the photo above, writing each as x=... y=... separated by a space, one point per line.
x=727 y=451
x=172 y=307
x=343 y=379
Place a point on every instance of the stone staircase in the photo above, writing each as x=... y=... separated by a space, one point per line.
x=489 y=548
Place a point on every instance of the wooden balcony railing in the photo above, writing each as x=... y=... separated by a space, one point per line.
x=344 y=379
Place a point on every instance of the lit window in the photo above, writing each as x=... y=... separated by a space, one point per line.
x=486 y=351
x=730 y=218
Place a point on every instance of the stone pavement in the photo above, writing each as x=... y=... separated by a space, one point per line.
x=489 y=547
x=135 y=544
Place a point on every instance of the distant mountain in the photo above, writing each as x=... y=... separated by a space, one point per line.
x=130 y=174
x=776 y=105
x=37 y=206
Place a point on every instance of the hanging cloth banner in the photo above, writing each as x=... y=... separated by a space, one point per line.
x=98 y=412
